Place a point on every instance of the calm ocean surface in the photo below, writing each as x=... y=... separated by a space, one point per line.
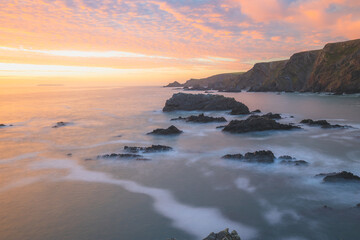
x=186 y=193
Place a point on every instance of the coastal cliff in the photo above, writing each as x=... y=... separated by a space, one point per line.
x=335 y=68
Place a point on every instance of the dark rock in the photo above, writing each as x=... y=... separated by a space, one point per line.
x=201 y=119
x=295 y=162
x=172 y=130
x=254 y=157
x=322 y=123
x=204 y=102
x=256 y=123
x=325 y=174
x=233 y=156
x=223 y=235
x=119 y=155
x=2 y=125
x=88 y=159
x=256 y=111
x=286 y=157
x=69 y=154
x=151 y=149
x=358 y=205
x=174 y=84
x=60 y=124
x=220 y=126
x=341 y=177
x=271 y=115
x=327 y=207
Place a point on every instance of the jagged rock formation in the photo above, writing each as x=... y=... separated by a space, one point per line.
x=151 y=149
x=335 y=68
x=340 y=177
x=223 y=235
x=204 y=102
x=172 y=130
x=200 y=119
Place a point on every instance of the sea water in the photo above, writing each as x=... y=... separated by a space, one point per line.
x=53 y=186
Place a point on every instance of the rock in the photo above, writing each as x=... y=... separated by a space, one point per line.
x=2 y=125
x=223 y=235
x=271 y=115
x=174 y=84
x=119 y=156
x=253 y=157
x=201 y=119
x=295 y=162
x=286 y=157
x=256 y=111
x=358 y=205
x=69 y=154
x=341 y=177
x=172 y=130
x=60 y=124
x=151 y=149
x=322 y=123
x=204 y=102
x=256 y=123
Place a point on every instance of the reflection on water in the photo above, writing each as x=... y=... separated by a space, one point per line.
x=48 y=193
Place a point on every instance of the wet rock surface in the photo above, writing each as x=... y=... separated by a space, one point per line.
x=172 y=130
x=343 y=176
x=256 y=123
x=204 y=102
x=321 y=123
x=60 y=124
x=223 y=235
x=201 y=118
x=151 y=149
x=263 y=156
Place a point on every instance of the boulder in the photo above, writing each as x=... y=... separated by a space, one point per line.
x=151 y=149
x=201 y=119
x=223 y=235
x=203 y=102
x=286 y=157
x=172 y=130
x=256 y=111
x=256 y=123
x=321 y=123
x=271 y=115
x=341 y=177
x=253 y=157
x=295 y=162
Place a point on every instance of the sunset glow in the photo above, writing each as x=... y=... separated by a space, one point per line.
x=121 y=40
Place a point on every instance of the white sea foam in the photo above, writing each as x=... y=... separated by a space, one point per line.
x=197 y=221
x=244 y=184
x=18 y=158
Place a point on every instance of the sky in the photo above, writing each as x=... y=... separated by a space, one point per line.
x=140 y=42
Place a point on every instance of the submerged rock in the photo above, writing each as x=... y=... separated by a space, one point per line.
x=201 y=119
x=286 y=157
x=322 y=123
x=204 y=102
x=256 y=123
x=119 y=155
x=253 y=157
x=172 y=130
x=60 y=124
x=151 y=149
x=295 y=162
x=223 y=235
x=341 y=177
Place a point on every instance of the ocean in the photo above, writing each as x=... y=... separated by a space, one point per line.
x=53 y=186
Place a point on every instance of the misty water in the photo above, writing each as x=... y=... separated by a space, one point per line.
x=45 y=193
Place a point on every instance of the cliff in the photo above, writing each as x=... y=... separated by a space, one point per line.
x=335 y=68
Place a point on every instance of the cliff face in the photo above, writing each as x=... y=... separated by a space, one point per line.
x=335 y=68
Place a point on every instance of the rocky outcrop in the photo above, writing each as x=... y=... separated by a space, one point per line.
x=223 y=235
x=203 y=102
x=253 y=157
x=201 y=118
x=335 y=68
x=341 y=177
x=119 y=156
x=256 y=123
x=174 y=84
x=288 y=160
x=271 y=115
x=151 y=149
x=321 y=123
x=172 y=130
x=60 y=124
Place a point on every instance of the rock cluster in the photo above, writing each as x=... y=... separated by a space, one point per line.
x=60 y=124
x=262 y=156
x=201 y=118
x=340 y=177
x=151 y=149
x=223 y=235
x=256 y=123
x=321 y=123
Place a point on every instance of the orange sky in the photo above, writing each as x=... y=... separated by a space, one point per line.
x=139 y=42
